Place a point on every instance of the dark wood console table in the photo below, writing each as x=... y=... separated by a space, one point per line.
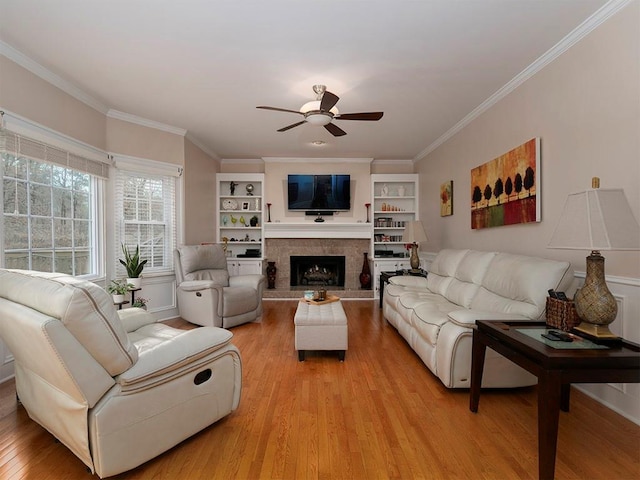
x=556 y=370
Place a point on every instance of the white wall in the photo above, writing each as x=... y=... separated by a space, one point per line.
x=585 y=107
x=277 y=169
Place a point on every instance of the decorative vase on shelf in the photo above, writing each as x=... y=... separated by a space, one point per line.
x=365 y=275
x=401 y=191
x=271 y=275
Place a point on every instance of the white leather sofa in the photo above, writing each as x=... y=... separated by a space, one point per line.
x=436 y=315
x=113 y=386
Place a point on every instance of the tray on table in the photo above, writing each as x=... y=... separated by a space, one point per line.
x=328 y=299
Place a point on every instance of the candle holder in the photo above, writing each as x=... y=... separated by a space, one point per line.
x=367 y=205
x=269 y=212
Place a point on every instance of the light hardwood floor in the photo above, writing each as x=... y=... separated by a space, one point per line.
x=380 y=414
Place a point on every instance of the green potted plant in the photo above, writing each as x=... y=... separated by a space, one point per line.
x=140 y=302
x=134 y=265
x=118 y=289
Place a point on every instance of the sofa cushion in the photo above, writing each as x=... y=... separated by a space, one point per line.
x=467 y=318
x=518 y=284
x=438 y=283
x=473 y=266
x=202 y=257
x=428 y=318
x=446 y=262
x=466 y=282
x=220 y=277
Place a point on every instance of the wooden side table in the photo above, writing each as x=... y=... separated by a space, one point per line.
x=126 y=302
x=556 y=370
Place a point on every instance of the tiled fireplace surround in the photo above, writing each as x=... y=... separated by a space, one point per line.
x=279 y=250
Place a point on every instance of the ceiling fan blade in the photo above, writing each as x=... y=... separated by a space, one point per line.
x=372 y=116
x=280 y=109
x=328 y=101
x=289 y=127
x=335 y=130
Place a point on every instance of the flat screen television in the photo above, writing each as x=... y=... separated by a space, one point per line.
x=319 y=192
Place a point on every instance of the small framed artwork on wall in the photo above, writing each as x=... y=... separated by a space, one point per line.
x=446 y=199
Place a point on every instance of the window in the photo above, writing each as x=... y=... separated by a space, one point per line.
x=50 y=207
x=145 y=212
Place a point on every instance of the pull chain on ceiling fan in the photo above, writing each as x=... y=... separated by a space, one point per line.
x=323 y=111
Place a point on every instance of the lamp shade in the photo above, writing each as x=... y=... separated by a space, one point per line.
x=597 y=219
x=414 y=232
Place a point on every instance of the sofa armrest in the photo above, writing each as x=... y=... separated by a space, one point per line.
x=467 y=318
x=134 y=318
x=174 y=357
x=197 y=285
x=252 y=280
x=409 y=281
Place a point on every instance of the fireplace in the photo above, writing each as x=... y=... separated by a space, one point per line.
x=317 y=271
x=280 y=251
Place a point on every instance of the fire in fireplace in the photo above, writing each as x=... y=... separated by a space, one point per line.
x=320 y=270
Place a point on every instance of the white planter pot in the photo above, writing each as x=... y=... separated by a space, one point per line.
x=118 y=298
x=136 y=282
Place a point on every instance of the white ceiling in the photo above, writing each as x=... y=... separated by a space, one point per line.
x=204 y=65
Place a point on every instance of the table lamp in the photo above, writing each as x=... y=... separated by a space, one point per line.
x=414 y=234
x=596 y=219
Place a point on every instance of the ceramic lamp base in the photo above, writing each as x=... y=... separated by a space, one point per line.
x=414 y=261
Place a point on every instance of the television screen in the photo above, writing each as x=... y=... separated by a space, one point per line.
x=319 y=192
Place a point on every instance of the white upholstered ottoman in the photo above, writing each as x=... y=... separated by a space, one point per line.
x=320 y=327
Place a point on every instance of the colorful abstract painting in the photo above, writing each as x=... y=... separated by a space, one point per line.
x=446 y=199
x=506 y=190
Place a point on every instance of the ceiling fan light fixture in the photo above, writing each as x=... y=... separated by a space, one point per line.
x=315 y=105
x=319 y=119
x=322 y=111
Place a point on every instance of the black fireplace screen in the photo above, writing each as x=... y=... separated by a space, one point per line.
x=317 y=271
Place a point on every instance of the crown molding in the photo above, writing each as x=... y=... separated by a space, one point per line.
x=202 y=146
x=144 y=122
x=243 y=161
x=315 y=160
x=23 y=126
x=393 y=162
x=50 y=77
x=594 y=21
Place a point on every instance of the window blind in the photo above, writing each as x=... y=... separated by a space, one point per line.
x=145 y=211
x=19 y=145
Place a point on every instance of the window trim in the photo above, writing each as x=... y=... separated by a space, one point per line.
x=31 y=131
x=143 y=166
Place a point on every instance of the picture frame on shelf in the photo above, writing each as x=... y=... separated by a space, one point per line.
x=245 y=205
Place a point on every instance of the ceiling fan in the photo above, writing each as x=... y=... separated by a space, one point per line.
x=322 y=111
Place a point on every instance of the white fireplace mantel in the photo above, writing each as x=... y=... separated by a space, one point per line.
x=318 y=230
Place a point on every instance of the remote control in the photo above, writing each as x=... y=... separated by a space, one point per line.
x=561 y=296
x=557 y=336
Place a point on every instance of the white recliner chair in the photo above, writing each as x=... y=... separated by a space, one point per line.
x=208 y=295
x=113 y=386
